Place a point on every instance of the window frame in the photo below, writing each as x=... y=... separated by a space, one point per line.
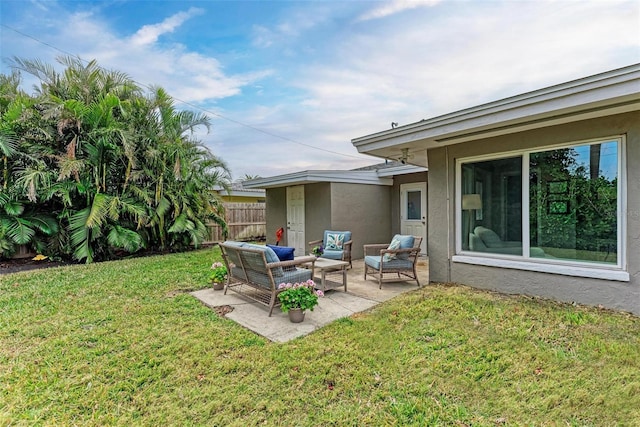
x=616 y=271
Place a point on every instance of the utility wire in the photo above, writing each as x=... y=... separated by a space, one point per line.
x=256 y=129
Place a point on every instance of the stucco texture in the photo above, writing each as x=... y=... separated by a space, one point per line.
x=612 y=294
x=362 y=209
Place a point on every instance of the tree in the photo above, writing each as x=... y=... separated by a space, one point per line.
x=119 y=170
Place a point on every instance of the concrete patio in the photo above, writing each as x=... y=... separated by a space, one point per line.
x=361 y=295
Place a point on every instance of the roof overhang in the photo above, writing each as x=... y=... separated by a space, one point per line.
x=314 y=176
x=242 y=193
x=605 y=94
x=400 y=170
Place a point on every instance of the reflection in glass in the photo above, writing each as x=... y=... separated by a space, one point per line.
x=414 y=208
x=573 y=203
x=491 y=205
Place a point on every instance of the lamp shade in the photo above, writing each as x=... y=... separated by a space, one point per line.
x=471 y=201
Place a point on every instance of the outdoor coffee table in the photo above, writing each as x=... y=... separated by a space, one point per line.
x=332 y=273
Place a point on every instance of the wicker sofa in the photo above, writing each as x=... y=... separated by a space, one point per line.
x=255 y=271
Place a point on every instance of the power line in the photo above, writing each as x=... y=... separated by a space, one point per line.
x=149 y=87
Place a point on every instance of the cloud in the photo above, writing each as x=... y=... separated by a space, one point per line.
x=479 y=55
x=262 y=36
x=149 y=33
x=313 y=74
x=187 y=75
x=394 y=7
x=295 y=24
x=413 y=71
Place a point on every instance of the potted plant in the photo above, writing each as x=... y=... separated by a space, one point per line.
x=317 y=250
x=218 y=275
x=295 y=298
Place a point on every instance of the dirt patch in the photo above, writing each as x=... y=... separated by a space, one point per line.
x=25 y=264
x=222 y=310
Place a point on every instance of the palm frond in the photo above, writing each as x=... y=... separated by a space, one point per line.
x=20 y=231
x=124 y=238
x=98 y=212
x=80 y=235
x=45 y=223
x=8 y=143
x=181 y=224
x=12 y=207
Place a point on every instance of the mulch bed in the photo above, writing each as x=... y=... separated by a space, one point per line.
x=25 y=264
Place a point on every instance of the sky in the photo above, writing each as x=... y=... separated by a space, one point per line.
x=289 y=84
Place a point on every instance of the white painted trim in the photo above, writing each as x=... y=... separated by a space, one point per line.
x=622 y=202
x=457 y=197
x=404 y=222
x=400 y=170
x=526 y=201
x=242 y=193
x=525 y=259
x=607 y=93
x=311 y=176
x=566 y=270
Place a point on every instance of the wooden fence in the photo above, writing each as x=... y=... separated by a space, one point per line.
x=245 y=221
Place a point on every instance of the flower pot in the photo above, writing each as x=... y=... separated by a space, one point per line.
x=218 y=286
x=296 y=315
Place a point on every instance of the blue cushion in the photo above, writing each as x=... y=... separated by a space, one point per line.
x=283 y=253
x=406 y=242
x=395 y=244
x=270 y=255
x=344 y=236
x=374 y=261
x=332 y=255
x=233 y=255
x=234 y=243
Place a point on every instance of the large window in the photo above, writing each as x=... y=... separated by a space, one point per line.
x=559 y=205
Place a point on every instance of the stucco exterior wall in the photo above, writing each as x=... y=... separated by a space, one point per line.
x=317 y=210
x=613 y=294
x=359 y=208
x=276 y=214
x=440 y=220
x=364 y=210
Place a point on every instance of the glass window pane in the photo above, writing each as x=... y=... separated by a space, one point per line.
x=573 y=203
x=414 y=205
x=492 y=206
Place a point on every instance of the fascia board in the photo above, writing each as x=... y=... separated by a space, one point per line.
x=239 y=193
x=314 y=176
x=619 y=89
x=401 y=170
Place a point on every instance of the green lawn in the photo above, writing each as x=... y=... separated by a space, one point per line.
x=120 y=343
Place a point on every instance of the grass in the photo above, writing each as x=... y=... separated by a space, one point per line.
x=122 y=343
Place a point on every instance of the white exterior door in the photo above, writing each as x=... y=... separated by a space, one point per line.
x=413 y=211
x=295 y=219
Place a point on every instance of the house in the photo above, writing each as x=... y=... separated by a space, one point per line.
x=237 y=193
x=536 y=194
x=373 y=203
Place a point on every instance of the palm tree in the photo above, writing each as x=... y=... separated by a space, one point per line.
x=121 y=171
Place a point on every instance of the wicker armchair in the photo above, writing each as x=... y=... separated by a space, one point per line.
x=396 y=260
x=336 y=244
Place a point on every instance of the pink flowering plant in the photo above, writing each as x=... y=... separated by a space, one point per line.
x=298 y=295
x=218 y=272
